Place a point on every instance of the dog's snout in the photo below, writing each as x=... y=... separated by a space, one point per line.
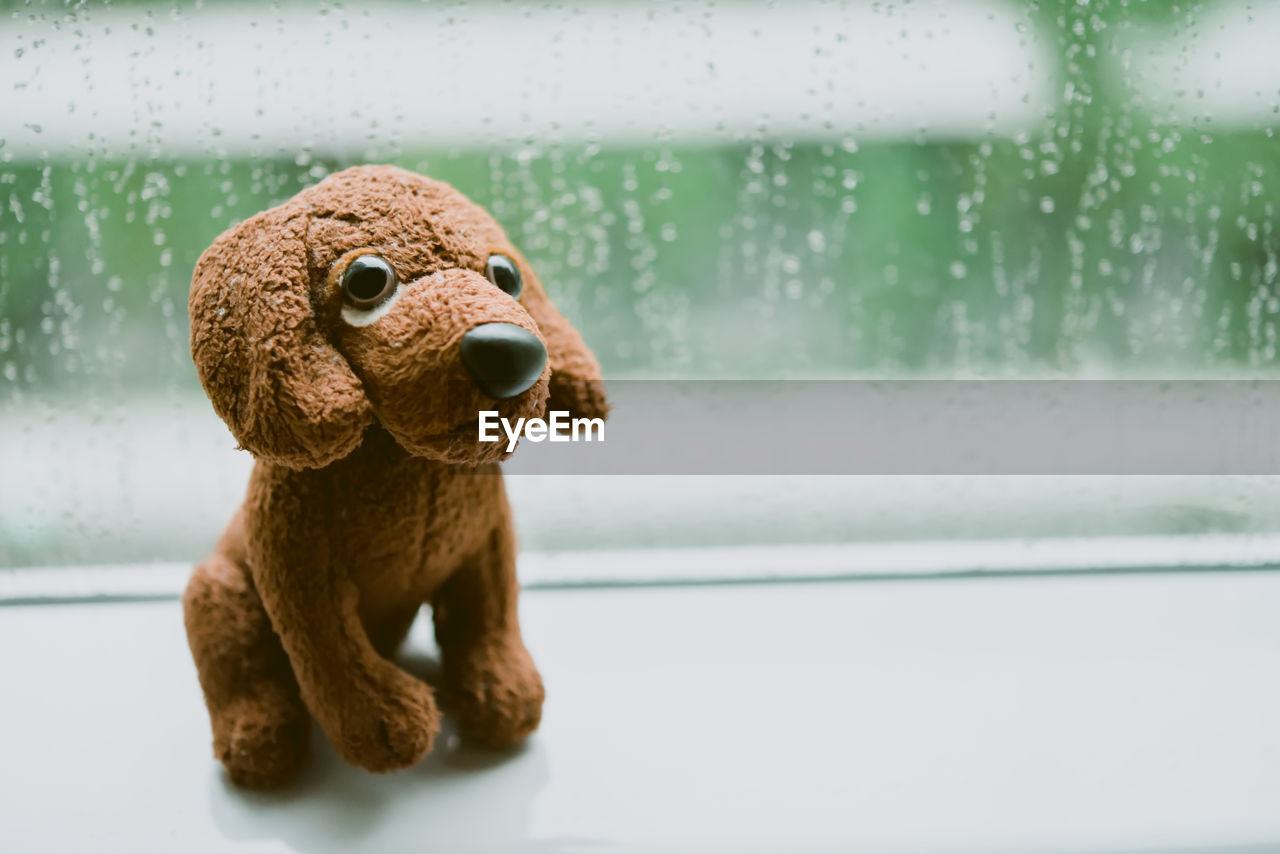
x=503 y=359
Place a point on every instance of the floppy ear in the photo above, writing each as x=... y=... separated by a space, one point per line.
x=288 y=396
x=576 y=383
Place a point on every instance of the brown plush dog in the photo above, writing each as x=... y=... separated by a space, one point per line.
x=349 y=339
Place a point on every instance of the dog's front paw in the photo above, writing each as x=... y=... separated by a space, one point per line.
x=496 y=693
x=261 y=741
x=391 y=727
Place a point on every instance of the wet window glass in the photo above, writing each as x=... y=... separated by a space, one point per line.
x=967 y=188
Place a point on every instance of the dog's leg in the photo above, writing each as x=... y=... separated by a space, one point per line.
x=260 y=726
x=490 y=681
x=375 y=714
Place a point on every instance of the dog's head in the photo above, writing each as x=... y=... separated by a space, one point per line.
x=379 y=295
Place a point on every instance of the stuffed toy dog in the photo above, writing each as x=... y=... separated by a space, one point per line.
x=349 y=339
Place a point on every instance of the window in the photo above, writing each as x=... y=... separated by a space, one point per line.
x=746 y=191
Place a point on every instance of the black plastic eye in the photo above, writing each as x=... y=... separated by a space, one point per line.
x=504 y=273
x=368 y=281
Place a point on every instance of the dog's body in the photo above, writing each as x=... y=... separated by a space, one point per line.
x=371 y=494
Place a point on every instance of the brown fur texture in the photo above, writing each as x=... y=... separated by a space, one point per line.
x=369 y=496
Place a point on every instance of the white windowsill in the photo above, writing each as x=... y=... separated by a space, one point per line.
x=741 y=564
x=1084 y=713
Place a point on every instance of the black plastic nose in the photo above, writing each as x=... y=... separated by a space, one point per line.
x=503 y=359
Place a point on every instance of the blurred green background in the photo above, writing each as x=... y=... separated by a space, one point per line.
x=1107 y=242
